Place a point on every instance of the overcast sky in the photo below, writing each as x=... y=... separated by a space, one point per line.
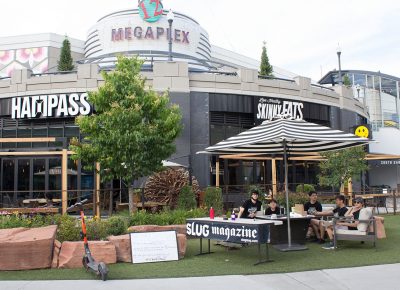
x=301 y=36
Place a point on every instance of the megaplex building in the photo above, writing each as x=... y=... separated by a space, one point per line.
x=220 y=94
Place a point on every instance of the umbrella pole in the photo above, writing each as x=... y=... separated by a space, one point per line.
x=287 y=193
x=289 y=246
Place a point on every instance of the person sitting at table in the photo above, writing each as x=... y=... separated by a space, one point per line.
x=273 y=208
x=339 y=211
x=313 y=207
x=250 y=207
x=354 y=214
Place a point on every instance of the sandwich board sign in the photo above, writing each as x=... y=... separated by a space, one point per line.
x=152 y=247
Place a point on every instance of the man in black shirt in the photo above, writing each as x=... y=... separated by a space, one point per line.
x=251 y=206
x=313 y=207
x=273 y=208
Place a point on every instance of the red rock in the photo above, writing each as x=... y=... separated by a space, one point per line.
x=123 y=248
x=27 y=249
x=56 y=253
x=72 y=253
x=182 y=242
x=180 y=229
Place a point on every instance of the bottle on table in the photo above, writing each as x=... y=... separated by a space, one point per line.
x=233 y=216
x=212 y=213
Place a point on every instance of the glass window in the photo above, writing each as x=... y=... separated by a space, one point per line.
x=359 y=79
x=217 y=134
x=39 y=132
x=8 y=182
x=370 y=81
x=248 y=170
x=24 y=133
x=23 y=178
x=39 y=177
x=55 y=177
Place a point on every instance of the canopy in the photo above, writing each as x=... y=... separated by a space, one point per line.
x=302 y=138
x=285 y=136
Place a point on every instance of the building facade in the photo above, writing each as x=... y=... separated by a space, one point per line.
x=220 y=94
x=380 y=94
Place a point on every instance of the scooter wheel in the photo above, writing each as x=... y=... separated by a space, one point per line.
x=103 y=271
x=85 y=262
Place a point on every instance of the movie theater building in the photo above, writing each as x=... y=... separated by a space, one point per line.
x=220 y=94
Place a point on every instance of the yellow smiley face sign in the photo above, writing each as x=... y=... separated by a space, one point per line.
x=362 y=132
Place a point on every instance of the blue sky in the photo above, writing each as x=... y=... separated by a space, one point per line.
x=302 y=36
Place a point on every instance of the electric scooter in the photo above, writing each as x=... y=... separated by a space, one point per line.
x=100 y=269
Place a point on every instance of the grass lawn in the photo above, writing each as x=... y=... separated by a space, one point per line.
x=223 y=262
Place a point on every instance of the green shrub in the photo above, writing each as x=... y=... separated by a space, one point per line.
x=305 y=188
x=116 y=226
x=213 y=198
x=96 y=229
x=68 y=229
x=187 y=198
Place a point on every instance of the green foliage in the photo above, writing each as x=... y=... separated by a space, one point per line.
x=305 y=188
x=213 y=198
x=133 y=128
x=176 y=217
x=346 y=81
x=266 y=68
x=96 y=230
x=294 y=198
x=66 y=62
x=187 y=198
x=262 y=193
x=116 y=226
x=68 y=229
x=340 y=166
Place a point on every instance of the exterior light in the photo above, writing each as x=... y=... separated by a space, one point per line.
x=170 y=16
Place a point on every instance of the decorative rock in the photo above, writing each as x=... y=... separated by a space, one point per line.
x=72 y=253
x=27 y=249
x=182 y=245
x=180 y=229
x=56 y=253
x=123 y=248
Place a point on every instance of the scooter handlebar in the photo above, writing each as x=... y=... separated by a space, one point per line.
x=79 y=204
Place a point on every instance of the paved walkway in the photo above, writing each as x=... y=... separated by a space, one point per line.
x=366 y=278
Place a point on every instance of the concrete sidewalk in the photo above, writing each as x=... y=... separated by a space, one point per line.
x=366 y=278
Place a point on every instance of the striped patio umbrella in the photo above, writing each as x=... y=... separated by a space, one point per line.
x=285 y=136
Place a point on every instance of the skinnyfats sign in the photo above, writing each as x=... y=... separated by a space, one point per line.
x=268 y=109
x=230 y=232
x=47 y=106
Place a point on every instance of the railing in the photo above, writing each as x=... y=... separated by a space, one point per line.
x=322 y=87
x=274 y=78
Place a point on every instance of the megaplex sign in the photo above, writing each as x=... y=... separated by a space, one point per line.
x=150 y=11
x=47 y=106
x=269 y=108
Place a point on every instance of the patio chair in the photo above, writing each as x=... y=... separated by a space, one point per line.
x=366 y=229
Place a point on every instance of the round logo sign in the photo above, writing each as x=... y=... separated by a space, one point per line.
x=151 y=10
x=362 y=132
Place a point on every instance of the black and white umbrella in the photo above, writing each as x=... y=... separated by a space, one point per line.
x=285 y=136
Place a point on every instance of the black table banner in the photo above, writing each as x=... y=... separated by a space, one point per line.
x=238 y=231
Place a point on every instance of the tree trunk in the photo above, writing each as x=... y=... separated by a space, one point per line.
x=110 y=209
x=132 y=207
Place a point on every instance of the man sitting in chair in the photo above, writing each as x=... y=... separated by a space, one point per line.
x=250 y=208
x=352 y=225
x=313 y=207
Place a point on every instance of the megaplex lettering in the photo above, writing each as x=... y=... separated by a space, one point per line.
x=62 y=105
x=149 y=33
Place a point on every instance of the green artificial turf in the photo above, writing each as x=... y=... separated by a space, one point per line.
x=236 y=262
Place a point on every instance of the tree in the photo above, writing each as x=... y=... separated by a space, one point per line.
x=340 y=166
x=66 y=62
x=266 y=68
x=132 y=129
x=346 y=81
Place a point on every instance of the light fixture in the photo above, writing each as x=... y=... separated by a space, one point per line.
x=170 y=16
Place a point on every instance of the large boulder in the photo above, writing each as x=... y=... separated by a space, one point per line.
x=182 y=243
x=72 y=253
x=27 y=249
x=123 y=248
x=56 y=253
x=180 y=229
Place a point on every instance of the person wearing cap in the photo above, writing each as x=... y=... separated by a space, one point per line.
x=250 y=207
x=354 y=213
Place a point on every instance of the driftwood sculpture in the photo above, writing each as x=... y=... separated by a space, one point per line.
x=164 y=187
